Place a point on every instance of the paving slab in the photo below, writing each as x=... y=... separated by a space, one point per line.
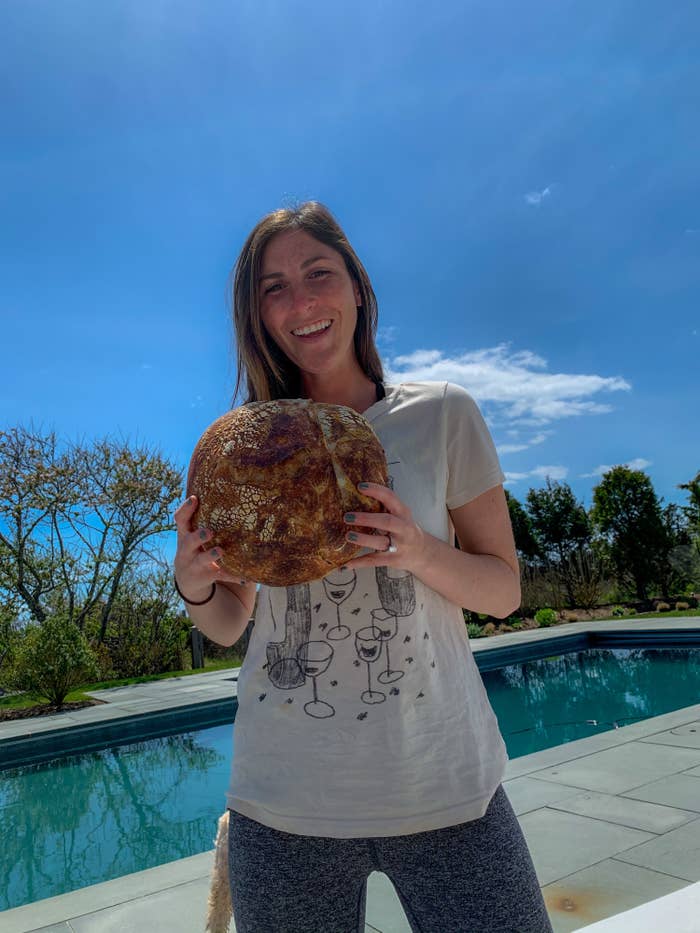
x=602 y=890
x=675 y=913
x=526 y=793
x=384 y=910
x=676 y=853
x=687 y=736
x=56 y=928
x=637 y=814
x=621 y=769
x=562 y=843
x=676 y=790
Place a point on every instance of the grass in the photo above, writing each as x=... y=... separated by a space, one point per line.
x=23 y=700
x=673 y=613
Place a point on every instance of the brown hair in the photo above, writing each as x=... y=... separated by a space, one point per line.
x=261 y=364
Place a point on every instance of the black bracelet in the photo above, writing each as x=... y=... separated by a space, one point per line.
x=190 y=601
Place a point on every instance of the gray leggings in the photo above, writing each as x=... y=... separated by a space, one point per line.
x=476 y=877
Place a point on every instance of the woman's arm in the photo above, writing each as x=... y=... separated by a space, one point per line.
x=483 y=577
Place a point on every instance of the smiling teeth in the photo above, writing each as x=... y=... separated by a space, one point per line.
x=311 y=329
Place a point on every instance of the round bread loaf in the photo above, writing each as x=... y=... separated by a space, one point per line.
x=273 y=481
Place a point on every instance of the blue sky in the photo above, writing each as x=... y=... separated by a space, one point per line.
x=520 y=180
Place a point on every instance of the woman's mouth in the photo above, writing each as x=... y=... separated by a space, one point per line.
x=313 y=331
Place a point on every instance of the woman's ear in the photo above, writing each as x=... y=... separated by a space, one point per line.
x=357 y=293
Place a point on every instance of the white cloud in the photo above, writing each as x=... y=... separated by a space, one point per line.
x=386 y=334
x=516 y=448
x=541 y=473
x=537 y=197
x=638 y=464
x=515 y=387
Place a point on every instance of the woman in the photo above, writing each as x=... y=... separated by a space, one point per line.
x=381 y=751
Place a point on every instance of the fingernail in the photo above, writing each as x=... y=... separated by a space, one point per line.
x=214 y=552
x=363 y=485
x=202 y=533
x=352 y=536
x=189 y=501
x=349 y=517
x=243 y=582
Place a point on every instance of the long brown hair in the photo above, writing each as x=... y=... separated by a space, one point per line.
x=260 y=363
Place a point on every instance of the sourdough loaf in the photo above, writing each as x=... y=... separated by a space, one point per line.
x=273 y=481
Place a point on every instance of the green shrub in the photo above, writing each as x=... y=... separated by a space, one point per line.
x=631 y=612
x=545 y=617
x=474 y=630
x=52 y=659
x=617 y=611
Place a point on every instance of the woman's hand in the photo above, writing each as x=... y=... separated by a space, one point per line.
x=406 y=536
x=197 y=567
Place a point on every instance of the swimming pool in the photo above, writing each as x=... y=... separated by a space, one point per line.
x=80 y=819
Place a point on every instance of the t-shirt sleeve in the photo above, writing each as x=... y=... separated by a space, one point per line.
x=472 y=461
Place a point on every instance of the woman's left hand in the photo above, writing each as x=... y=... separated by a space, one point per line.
x=394 y=527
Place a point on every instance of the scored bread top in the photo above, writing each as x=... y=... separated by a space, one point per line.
x=274 y=480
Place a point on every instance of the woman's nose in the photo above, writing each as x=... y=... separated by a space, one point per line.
x=301 y=296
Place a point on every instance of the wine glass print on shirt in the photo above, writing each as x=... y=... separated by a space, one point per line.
x=338 y=586
x=368 y=645
x=315 y=658
x=397 y=595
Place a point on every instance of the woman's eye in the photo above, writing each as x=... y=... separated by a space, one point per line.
x=317 y=272
x=271 y=288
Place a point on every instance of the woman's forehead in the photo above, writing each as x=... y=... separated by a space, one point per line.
x=294 y=246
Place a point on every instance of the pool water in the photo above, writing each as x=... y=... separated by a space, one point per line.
x=82 y=819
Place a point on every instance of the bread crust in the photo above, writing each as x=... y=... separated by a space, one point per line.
x=273 y=481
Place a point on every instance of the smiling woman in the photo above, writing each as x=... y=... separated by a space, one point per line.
x=361 y=711
x=297 y=269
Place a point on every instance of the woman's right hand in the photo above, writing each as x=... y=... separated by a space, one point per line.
x=196 y=567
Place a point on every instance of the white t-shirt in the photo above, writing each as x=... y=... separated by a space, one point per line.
x=361 y=711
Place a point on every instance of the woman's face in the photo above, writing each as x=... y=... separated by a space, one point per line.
x=304 y=285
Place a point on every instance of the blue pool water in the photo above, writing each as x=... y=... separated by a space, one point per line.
x=82 y=819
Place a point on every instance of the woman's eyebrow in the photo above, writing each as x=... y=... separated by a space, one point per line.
x=305 y=263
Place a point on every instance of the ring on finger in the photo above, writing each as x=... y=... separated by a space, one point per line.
x=392 y=549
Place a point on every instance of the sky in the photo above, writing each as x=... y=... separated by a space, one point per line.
x=519 y=180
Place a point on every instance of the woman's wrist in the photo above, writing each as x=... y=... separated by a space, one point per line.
x=196 y=598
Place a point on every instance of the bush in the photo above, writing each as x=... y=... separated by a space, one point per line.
x=617 y=611
x=53 y=659
x=662 y=607
x=488 y=629
x=474 y=630
x=545 y=617
x=681 y=607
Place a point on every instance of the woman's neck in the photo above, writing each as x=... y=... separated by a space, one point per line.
x=359 y=393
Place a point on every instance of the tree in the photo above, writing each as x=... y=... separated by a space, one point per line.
x=53 y=658
x=73 y=523
x=692 y=510
x=627 y=513
x=526 y=543
x=561 y=527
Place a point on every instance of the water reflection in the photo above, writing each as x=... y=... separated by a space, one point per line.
x=562 y=698
x=84 y=819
